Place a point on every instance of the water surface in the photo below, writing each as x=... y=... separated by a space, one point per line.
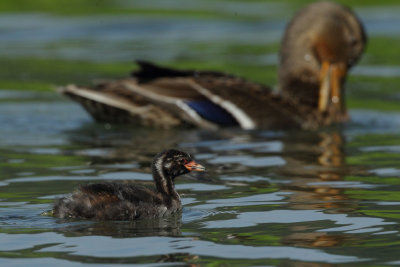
x=276 y=198
x=268 y=197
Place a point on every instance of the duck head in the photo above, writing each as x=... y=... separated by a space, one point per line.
x=321 y=43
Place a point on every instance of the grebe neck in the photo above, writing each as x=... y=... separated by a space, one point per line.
x=163 y=180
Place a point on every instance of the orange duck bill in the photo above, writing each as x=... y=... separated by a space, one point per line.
x=330 y=85
x=193 y=166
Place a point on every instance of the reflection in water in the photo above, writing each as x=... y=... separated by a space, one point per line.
x=304 y=161
x=267 y=196
x=314 y=239
x=123 y=229
x=270 y=198
x=332 y=150
x=179 y=257
x=316 y=158
x=329 y=165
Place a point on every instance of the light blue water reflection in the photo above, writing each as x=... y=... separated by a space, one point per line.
x=268 y=198
x=290 y=197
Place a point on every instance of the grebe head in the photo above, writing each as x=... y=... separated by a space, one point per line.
x=169 y=164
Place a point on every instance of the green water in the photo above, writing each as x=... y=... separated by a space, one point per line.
x=323 y=198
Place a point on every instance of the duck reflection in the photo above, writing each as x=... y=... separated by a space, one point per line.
x=331 y=145
x=179 y=257
x=312 y=187
x=315 y=239
x=116 y=142
x=321 y=162
x=106 y=145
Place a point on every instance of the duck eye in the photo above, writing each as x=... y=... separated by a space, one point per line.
x=184 y=161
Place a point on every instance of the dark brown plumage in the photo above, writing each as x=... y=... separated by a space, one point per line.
x=123 y=201
x=320 y=44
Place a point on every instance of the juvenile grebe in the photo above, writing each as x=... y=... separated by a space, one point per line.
x=120 y=201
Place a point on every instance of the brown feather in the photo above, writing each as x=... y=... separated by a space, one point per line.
x=323 y=32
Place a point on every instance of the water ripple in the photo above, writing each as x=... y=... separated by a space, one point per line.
x=248 y=219
x=257 y=199
x=101 y=247
x=250 y=161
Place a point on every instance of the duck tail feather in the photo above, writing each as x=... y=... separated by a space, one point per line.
x=149 y=71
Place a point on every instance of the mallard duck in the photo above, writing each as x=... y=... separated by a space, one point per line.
x=321 y=43
x=125 y=201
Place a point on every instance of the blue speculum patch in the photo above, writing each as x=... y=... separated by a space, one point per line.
x=212 y=112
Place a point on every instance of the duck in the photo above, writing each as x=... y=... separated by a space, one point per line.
x=127 y=201
x=319 y=46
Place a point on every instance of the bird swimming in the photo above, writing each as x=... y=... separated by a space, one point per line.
x=125 y=201
x=320 y=44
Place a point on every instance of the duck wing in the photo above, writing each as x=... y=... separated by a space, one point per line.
x=252 y=105
x=232 y=99
x=163 y=102
x=113 y=102
x=167 y=97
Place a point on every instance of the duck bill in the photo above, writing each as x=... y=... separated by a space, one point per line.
x=193 y=166
x=330 y=86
